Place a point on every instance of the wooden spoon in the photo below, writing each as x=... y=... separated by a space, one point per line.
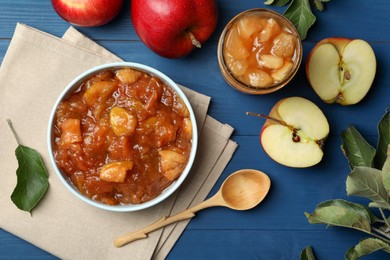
x=242 y=190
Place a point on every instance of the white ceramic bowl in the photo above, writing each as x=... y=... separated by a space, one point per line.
x=129 y=207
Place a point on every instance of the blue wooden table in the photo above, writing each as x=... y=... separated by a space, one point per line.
x=277 y=229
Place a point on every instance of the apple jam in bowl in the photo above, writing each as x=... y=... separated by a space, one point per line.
x=122 y=136
x=259 y=51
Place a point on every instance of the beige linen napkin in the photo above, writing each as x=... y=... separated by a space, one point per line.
x=34 y=71
x=174 y=231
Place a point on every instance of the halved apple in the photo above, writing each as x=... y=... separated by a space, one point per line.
x=294 y=132
x=341 y=70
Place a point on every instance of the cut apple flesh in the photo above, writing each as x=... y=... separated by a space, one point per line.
x=361 y=67
x=299 y=154
x=304 y=115
x=342 y=72
x=298 y=142
x=324 y=72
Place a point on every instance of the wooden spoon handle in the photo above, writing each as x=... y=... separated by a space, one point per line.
x=216 y=200
x=143 y=233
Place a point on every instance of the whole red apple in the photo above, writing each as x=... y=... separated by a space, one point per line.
x=87 y=13
x=174 y=28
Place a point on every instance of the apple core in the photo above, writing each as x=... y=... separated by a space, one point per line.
x=341 y=70
x=294 y=132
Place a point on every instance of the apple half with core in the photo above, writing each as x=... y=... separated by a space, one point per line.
x=294 y=132
x=172 y=29
x=341 y=70
x=87 y=13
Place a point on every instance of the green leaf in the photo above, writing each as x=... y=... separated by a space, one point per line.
x=357 y=150
x=300 y=14
x=373 y=218
x=276 y=2
x=32 y=181
x=319 y=5
x=383 y=140
x=386 y=172
x=367 y=182
x=269 y=2
x=365 y=247
x=307 y=254
x=341 y=213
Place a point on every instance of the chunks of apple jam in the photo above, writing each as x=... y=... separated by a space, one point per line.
x=122 y=137
x=259 y=51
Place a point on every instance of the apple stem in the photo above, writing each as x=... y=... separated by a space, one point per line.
x=270 y=118
x=194 y=41
x=295 y=137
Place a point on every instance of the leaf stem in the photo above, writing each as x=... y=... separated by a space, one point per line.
x=13 y=131
x=385 y=238
x=384 y=217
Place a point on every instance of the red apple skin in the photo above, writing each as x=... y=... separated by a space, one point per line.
x=165 y=26
x=87 y=13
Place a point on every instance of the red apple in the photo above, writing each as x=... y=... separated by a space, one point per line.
x=87 y=13
x=174 y=28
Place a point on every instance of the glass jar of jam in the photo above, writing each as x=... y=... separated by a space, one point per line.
x=259 y=51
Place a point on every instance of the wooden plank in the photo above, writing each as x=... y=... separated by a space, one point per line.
x=341 y=18
x=13 y=247
x=277 y=229
x=260 y=244
x=202 y=74
x=230 y=244
x=293 y=191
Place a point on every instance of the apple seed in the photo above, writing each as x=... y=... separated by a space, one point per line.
x=295 y=137
x=347 y=75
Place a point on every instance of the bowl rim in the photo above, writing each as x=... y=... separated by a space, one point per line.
x=167 y=191
x=242 y=87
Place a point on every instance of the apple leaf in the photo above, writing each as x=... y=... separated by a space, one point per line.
x=374 y=219
x=365 y=247
x=383 y=140
x=357 y=150
x=364 y=181
x=341 y=213
x=307 y=254
x=300 y=14
x=386 y=172
x=367 y=182
x=276 y=2
x=319 y=5
x=32 y=180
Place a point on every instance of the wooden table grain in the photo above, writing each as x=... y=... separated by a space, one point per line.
x=277 y=229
